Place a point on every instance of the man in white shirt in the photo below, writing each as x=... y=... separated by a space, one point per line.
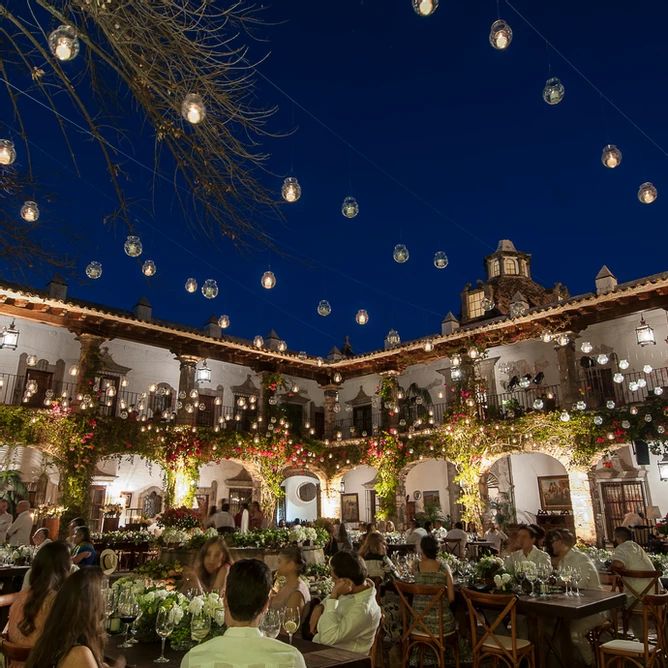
x=526 y=537
x=350 y=615
x=223 y=519
x=415 y=535
x=243 y=646
x=459 y=534
x=5 y=521
x=21 y=528
x=496 y=537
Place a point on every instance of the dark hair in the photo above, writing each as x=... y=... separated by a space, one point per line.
x=48 y=572
x=225 y=507
x=459 y=525
x=294 y=553
x=538 y=531
x=429 y=547
x=76 y=618
x=44 y=530
x=247 y=589
x=624 y=532
x=256 y=504
x=85 y=532
x=348 y=565
x=213 y=510
x=343 y=533
x=428 y=526
x=77 y=522
x=565 y=536
x=207 y=579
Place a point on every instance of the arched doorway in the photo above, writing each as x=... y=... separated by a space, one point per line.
x=358 y=492
x=301 y=498
x=429 y=492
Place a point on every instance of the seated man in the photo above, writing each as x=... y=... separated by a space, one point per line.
x=526 y=537
x=415 y=534
x=459 y=534
x=349 y=616
x=243 y=646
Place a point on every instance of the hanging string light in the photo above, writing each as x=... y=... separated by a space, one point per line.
x=611 y=156
x=7 y=152
x=191 y=285
x=440 y=260
x=258 y=341
x=362 y=317
x=428 y=346
x=30 y=211
x=268 y=280
x=500 y=35
x=400 y=254
x=148 y=268
x=554 y=91
x=425 y=7
x=324 y=308
x=291 y=191
x=94 y=270
x=193 y=108
x=224 y=321
x=647 y=193
x=282 y=346
x=210 y=288
x=133 y=246
x=64 y=43
x=350 y=208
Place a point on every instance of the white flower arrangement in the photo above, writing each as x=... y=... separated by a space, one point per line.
x=172 y=536
x=503 y=581
x=526 y=567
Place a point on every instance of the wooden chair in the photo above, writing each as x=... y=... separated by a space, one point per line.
x=453 y=546
x=416 y=633
x=11 y=651
x=645 y=654
x=510 y=650
x=638 y=594
x=376 y=654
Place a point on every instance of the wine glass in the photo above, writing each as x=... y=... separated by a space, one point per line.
x=109 y=602
x=531 y=576
x=164 y=626
x=128 y=610
x=134 y=629
x=576 y=578
x=565 y=577
x=200 y=626
x=290 y=621
x=271 y=623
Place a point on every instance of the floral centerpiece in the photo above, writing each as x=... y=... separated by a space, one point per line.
x=112 y=538
x=161 y=573
x=450 y=560
x=503 y=582
x=179 y=518
x=275 y=539
x=488 y=567
x=48 y=510
x=303 y=535
x=190 y=539
x=112 y=510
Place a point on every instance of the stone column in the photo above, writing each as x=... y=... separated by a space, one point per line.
x=454 y=492
x=583 y=507
x=331 y=392
x=568 y=374
x=390 y=419
x=187 y=367
x=89 y=363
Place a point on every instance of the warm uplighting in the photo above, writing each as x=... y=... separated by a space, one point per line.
x=647 y=193
x=546 y=336
x=133 y=246
x=94 y=270
x=291 y=191
x=30 y=211
x=400 y=253
x=9 y=337
x=149 y=268
x=362 y=317
x=645 y=334
x=224 y=321
x=7 y=152
x=663 y=467
x=428 y=346
x=31 y=360
x=203 y=374
x=193 y=108
x=210 y=288
x=554 y=91
x=455 y=360
x=64 y=43
x=500 y=35
x=425 y=7
x=258 y=341
x=350 y=208
x=282 y=346
x=611 y=156
x=268 y=280
x=74 y=370
x=440 y=260
x=191 y=285
x=324 y=308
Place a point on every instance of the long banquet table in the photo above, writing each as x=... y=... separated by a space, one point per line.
x=143 y=655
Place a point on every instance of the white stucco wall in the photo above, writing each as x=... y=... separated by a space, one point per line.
x=354 y=484
x=430 y=476
x=295 y=508
x=525 y=470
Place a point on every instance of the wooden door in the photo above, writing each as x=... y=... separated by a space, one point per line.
x=206 y=417
x=620 y=498
x=98 y=494
x=43 y=379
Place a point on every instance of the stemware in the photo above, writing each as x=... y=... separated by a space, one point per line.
x=565 y=577
x=200 y=626
x=128 y=610
x=576 y=578
x=531 y=576
x=271 y=623
x=109 y=597
x=134 y=629
x=164 y=626
x=290 y=621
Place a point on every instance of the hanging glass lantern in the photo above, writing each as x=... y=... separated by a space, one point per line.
x=64 y=43
x=400 y=253
x=30 y=211
x=7 y=152
x=268 y=280
x=618 y=377
x=500 y=35
x=193 y=108
x=282 y=346
x=647 y=368
x=611 y=156
x=94 y=269
x=191 y=285
x=31 y=360
x=538 y=404
x=602 y=359
x=658 y=391
x=425 y=7
x=645 y=334
x=642 y=382
x=565 y=417
x=210 y=288
x=428 y=346
x=581 y=406
x=624 y=364
x=563 y=339
x=456 y=373
x=554 y=91
x=586 y=347
x=74 y=370
x=647 y=193
x=392 y=339
x=440 y=260
x=609 y=404
x=350 y=208
x=633 y=386
x=362 y=317
x=133 y=246
x=194 y=394
x=224 y=321
x=324 y=308
x=203 y=374
x=337 y=378
x=546 y=336
x=291 y=191
x=487 y=304
x=258 y=341
x=148 y=268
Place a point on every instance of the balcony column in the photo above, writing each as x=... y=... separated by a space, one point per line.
x=583 y=505
x=389 y=416
x=569 y=386
x=89 y=364
x=187 y=368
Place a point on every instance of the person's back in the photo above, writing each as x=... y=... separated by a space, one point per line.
x=458 y=533
x=628 y=555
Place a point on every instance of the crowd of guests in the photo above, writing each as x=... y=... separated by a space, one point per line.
x=248 y=518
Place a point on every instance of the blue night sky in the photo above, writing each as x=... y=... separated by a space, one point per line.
x=459 y=151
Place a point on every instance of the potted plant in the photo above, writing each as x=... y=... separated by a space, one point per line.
x=49 y=518
x=111 y=514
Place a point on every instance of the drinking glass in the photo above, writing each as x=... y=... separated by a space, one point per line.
x=531 y=577
x=271 y=623
x=576 y=578
x=200 y=626
x=134 y=629
x=164 y=626
x=290 y=621
x=565 y=577
x=109 y=602
x=128 y=610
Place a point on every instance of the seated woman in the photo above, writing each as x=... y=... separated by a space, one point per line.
x=430 y=571
x=74 y=634
x=84 y=552
x=294 y=593
x=374 y=553
x=29 y=611
x=210 y=569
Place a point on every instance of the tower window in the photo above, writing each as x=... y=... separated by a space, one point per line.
x=494 y=268
x=510 y=265
x=474 y=304
x=524 y=269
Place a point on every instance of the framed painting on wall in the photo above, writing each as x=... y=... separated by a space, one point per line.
x=555 y=492
x=350 y=508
